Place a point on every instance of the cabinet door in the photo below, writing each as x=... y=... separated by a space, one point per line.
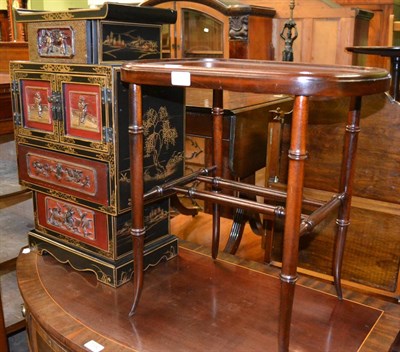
x=202 y=35
x=69 y=105
x=200 y=31
x=86 y=105
x=35 y=114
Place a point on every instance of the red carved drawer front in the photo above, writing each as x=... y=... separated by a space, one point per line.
x=74 y=221
x=86 y=179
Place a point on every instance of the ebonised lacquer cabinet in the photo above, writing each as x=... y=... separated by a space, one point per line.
x=71 y=127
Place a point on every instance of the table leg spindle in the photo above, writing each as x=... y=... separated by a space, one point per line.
x=217 y=114
x=137 y=190
x=297 y=157
x=346 y=187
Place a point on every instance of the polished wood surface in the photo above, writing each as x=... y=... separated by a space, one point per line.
x=265 y=77
x=184 y=309
x=12 y=51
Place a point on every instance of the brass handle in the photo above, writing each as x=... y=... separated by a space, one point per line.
x=23 y=310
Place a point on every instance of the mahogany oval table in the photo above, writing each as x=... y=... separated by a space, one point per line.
x=268 y=77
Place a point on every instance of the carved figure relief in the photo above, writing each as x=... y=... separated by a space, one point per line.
x=70 y=218
x=238 y=27
x=55 y=42
x=37 y=112
x=60 y=172
x=83 y=110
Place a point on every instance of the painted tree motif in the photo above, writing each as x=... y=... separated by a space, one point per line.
x=159 y=135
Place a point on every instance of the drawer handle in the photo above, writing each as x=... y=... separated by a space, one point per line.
x=23 y=310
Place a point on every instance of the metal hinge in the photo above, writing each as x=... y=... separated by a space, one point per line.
x=106 y=96
x=14 y=87
x=17 y=119
x=108 y=134
x=55 y=100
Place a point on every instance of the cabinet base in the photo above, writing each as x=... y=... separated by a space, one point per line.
x=113 y=273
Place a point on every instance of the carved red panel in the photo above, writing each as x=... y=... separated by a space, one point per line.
x=79 y=177
x=83 y=114
x=56 y=42
x=72 y=220
x=37 y=112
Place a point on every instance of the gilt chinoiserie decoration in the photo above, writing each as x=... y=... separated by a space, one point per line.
x=111 y=33
x=71 y=127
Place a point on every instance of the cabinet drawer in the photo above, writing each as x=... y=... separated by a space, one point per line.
x=93 y=231
x=105 y=34
x=72 y=222
x=84 y=180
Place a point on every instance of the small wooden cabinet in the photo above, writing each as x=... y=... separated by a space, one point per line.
x=222 y=29
x=71 y=127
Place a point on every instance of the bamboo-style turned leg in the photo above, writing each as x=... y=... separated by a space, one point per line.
x=346 y=187
x=394 y=88
x=297 y=157
x=137 y=190
x=217 y=114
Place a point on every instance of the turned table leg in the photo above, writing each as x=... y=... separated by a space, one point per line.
x=346 y=187
x=137 y=189
x=297 y=156
x=217 y=114
x=394 y=88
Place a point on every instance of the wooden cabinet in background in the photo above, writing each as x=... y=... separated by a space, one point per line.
x=378 y=34
x=325 y=29
x=8 y=51
x=3 y=26
x=6 y=121
x=220 y=29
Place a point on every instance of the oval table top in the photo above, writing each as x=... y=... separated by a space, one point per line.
x=269 y=77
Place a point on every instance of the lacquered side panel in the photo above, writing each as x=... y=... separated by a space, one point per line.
x=121 y=41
